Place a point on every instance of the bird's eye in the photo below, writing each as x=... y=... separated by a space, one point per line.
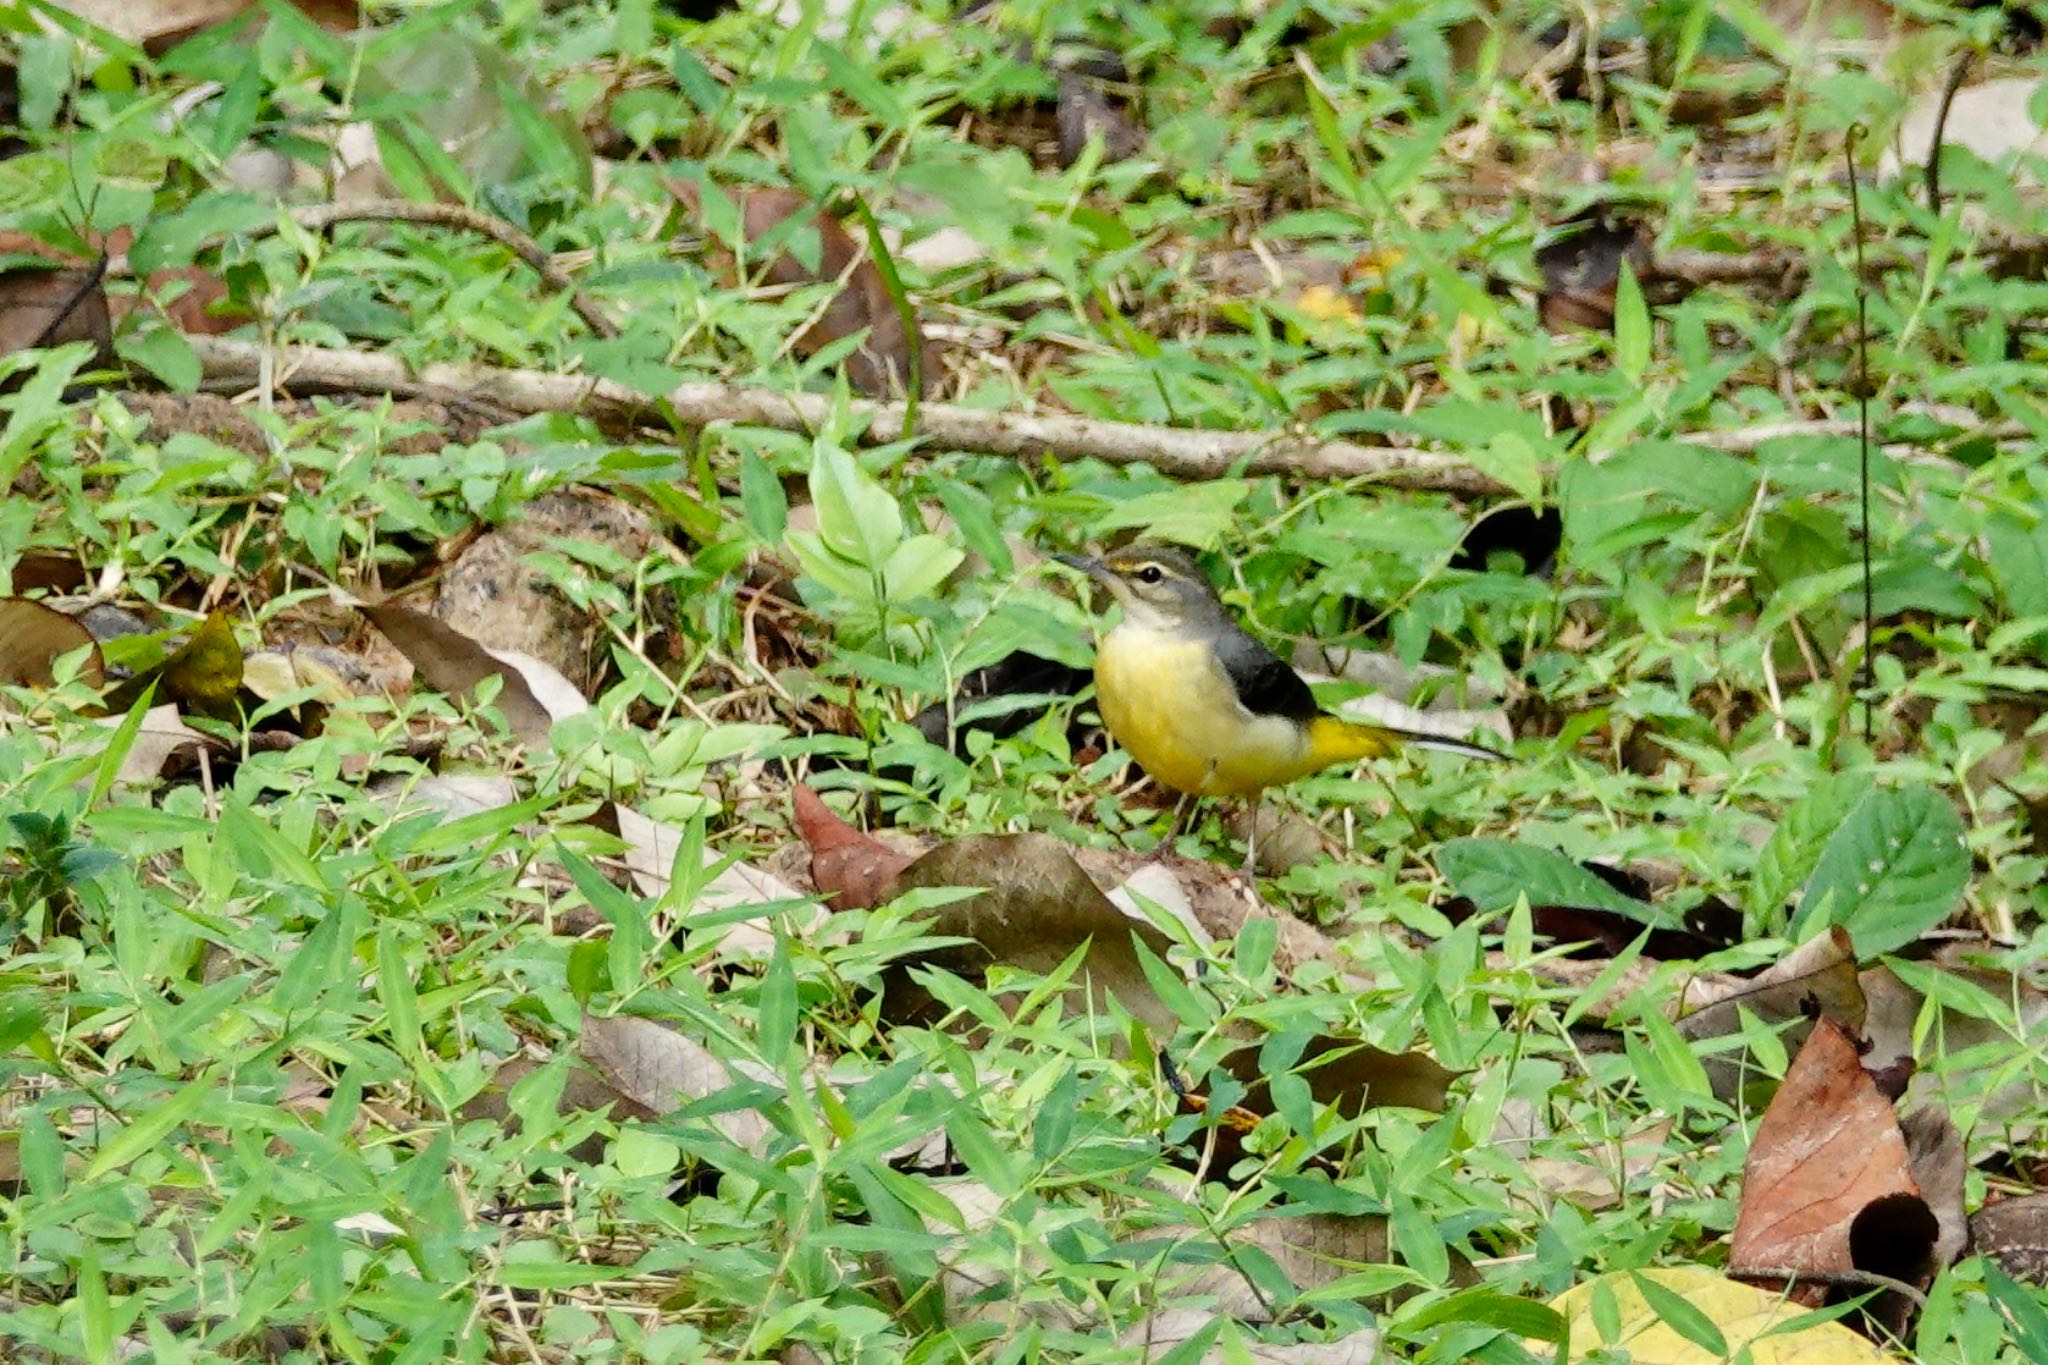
x=1151 y=573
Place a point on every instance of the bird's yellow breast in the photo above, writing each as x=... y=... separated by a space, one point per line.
x=1168 y=702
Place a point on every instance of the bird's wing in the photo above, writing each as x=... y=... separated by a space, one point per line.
x=1264 y=682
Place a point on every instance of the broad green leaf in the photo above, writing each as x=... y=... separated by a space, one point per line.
x=1788 y=856
x=1895 y=869
x=1493 y=872
x=919 y=567
x=2019 y=563
x=1515 y=461
x=857 y=518
x=1198 y=514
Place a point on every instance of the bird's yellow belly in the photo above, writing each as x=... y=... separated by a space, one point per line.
x=1172 y=709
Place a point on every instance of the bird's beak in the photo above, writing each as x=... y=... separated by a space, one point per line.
x=1094 y=568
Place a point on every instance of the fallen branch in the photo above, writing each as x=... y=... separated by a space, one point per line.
x=1178 y=452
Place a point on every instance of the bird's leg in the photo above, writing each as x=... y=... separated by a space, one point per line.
x=1251 y=840
x=1180 y=813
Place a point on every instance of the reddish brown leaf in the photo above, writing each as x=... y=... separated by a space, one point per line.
x=1828 y=1187
x=49 y=307
x=851 y=870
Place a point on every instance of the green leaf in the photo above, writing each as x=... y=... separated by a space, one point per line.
x=1788 y=857
x=1631 y=327
x=1513 y=459
x=857 y=518
x=1197 y=514
x=1681 y=1315
x=776 y=1024
x=1895 y=869
x=2021 y=1308
x=2018 y=563
x=1493 y=872
x=762 y=500
x=919 y=567
x=165 y=353
x=1490 y=1307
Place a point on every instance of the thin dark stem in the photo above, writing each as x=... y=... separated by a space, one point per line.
x=1948 y=97
x=1867 y=681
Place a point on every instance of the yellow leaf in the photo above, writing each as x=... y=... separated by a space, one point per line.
x=1743 y=1313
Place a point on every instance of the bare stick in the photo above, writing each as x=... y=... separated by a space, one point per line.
x=1178 y=452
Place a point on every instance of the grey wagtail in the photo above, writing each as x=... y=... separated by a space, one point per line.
x=1203 y=707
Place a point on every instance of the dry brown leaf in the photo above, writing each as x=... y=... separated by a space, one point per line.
x=851 y=870
x=50 y=307
x=1034 y=908
x=1934 y=1150
x=1895 y=1009
x=156 y=25
x=1828 y=1183
x=533 y=696
x=33 y=636
x=1816 y=980
x=659 y=1069
x=1351 y=1077
x=2014 y=1232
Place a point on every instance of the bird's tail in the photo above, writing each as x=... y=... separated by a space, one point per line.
x=1333 y=740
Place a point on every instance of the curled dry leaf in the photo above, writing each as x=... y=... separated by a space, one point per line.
x=1828 y=1187
x=881 y=365
x=1934 y=1150
x=33 y=636
x=533 y=696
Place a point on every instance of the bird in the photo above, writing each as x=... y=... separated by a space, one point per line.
x=1201 y=705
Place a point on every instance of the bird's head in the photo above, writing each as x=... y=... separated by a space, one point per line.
x=1158 y=586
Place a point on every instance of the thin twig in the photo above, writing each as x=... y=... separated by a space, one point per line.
x=1837 y=1279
